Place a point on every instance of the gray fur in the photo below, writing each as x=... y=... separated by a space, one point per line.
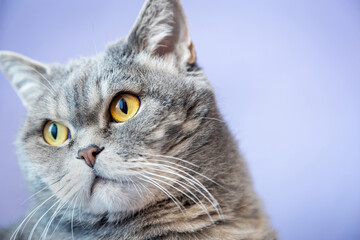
x=178 y=124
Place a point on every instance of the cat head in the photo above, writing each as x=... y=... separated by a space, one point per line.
x=115 y=132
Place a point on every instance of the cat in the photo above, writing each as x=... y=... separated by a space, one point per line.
x=130 y=144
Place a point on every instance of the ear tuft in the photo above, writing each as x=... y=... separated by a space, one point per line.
x=28 y=77
x=192 y=58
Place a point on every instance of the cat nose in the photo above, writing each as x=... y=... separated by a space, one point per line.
x=89 y=154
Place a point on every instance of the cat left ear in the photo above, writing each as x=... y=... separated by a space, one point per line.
x=26 y=76
x=161 y=30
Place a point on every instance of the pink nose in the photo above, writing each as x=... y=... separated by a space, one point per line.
x=89 y=155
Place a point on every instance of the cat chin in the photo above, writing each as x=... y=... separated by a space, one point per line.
x=115 y=197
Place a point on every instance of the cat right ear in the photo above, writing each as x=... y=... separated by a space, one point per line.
x=28 y=77
x=161 y=30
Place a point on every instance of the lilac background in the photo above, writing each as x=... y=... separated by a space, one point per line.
x=287 y=78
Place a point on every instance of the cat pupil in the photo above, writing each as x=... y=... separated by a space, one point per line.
x=53 y=131
x=123 y=106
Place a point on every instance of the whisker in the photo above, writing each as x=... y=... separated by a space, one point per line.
x=192 y=180
x=46 y=229
x=170 y=195
x=32 y=213
x=58 y=201
x=197 y=202
x=72 y=218
x=129 y=179
x=192 y=170
x=57 y=225
x=79 y=211
x=33 y=195
x=38 y=221
x=27 y=218
x=193 y=183
x=58 y=210
x=147 y=189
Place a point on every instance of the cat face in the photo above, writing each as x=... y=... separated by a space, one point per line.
x=135 y=162
x=80 y=99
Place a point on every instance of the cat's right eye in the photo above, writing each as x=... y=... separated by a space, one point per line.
x=55 y=133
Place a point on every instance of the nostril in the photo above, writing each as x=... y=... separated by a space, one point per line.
x=95 y=153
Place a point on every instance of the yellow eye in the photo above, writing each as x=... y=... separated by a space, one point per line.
x=124 y=107
x=55 y=133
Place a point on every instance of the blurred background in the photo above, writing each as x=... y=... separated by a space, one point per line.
x=287 y=79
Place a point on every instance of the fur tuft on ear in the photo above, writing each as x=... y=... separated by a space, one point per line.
x=161 y=30
x=27 y=76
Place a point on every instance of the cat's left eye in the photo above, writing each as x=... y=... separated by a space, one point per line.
x=55 y=133
x=123 y=107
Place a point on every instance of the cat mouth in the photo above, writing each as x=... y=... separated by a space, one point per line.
x=102 y=181
x=99 y=179
x=110 y=187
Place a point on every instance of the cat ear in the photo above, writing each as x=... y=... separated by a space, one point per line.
x=26 y=76
x=161 y=30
